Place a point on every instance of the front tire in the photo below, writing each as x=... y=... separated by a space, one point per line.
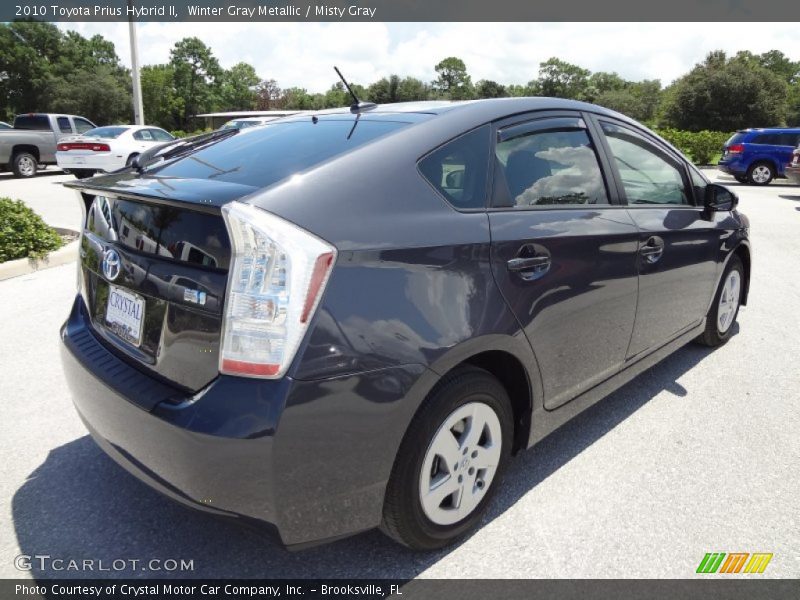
x=725 y=308
x=451 y=461
x=760 y=173
x=24 y=164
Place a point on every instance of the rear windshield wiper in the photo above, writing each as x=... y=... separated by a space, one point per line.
x=175 y=148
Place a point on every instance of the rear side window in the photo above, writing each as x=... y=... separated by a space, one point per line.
x=143 y=135
x=265 y=155
x=108 y=133
x=736 y=138
x=63 y=125
x=458 y=170
x=552 y=167
x=37 y=122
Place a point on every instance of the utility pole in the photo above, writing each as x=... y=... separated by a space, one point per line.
x=138 y=109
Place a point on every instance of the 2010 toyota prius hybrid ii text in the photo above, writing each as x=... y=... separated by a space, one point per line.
x=353 y=319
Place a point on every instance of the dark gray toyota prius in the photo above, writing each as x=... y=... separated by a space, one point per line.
x=353 y=319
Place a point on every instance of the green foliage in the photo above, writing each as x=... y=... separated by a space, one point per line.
x=96 y=93
x=560 y=79
x=453 y=82
x=238 y=90
x=490 y=89
x=197 y=77
x=725 y=94
x=23 y=233
x=162 y=105
x=700 y=146
x=180 y=133
x=47 y=70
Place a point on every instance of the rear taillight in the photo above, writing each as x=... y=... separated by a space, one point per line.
x=736 y=149
x=83 y=146
x=277 y=275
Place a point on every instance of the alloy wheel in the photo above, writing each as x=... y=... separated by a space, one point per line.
x=728 y=301
x=460 y=463
x=762 y=174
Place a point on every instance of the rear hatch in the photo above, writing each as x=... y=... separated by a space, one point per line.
x=153 y=276
x=155 y=251
x=734 y=145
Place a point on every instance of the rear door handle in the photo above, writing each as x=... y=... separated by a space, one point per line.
x=652 y=250
x=531 y=262
x=526 y=264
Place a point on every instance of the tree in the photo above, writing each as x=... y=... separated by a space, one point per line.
x=490 y=89
x=410 y=89
x=197 y=77
x=162 y=105
x=238 y=90
x=724 y=94
x=269 y=95
x=561 y=79
x=453 y=81
x=27 y=53
x=385 y=90
x=96 y=94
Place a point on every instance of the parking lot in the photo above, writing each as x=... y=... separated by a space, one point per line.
x=700 y=454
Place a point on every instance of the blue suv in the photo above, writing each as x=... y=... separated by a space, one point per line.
x=757 y=156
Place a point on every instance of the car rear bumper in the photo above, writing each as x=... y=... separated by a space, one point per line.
x=792 y=173
x=104 y=161
x=308 y=460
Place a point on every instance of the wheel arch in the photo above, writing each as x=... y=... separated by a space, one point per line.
x=511 y=361
x=29 y=148
x=743 y=252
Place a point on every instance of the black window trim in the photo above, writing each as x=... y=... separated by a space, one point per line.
x=697 y=204
x=535 y=121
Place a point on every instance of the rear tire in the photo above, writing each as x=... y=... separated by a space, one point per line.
x=24 y=164
x=725 y=308
x=451 y=444
x=760 y=173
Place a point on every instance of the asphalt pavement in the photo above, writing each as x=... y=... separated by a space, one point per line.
x=699 y=454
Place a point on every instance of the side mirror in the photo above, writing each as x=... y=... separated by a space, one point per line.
x=719 y=198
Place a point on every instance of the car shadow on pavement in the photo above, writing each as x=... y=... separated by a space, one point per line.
x=80 y=505
x=7 y=175
x=795 y=198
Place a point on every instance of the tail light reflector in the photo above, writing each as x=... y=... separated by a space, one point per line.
x=63 y=147
x=735 y=149
x=277 y=276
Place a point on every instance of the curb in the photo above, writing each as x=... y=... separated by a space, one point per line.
x=24 y=266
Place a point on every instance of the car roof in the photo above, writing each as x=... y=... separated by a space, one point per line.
x=770 y=130
x=483 y=110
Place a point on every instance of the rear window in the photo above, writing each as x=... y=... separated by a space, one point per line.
x=265 y=155
x=37 y=122
x=107 y=133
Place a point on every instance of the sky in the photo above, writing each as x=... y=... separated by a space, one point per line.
x=302 y=54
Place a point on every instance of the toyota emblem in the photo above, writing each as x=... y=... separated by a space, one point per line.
x=111 y=264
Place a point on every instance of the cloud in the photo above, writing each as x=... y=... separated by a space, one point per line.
x=302 y=54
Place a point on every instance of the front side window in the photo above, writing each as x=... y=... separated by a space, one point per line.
x=649 y=175
x=459 y=169
x=553 y=167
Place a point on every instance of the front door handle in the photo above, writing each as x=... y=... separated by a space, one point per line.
x=652 y=250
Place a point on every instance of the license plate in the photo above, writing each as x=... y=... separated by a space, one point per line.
x=125 y=314
x=795 y=160
x=78 y=160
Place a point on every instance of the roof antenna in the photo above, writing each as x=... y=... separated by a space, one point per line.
x=358 y=106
